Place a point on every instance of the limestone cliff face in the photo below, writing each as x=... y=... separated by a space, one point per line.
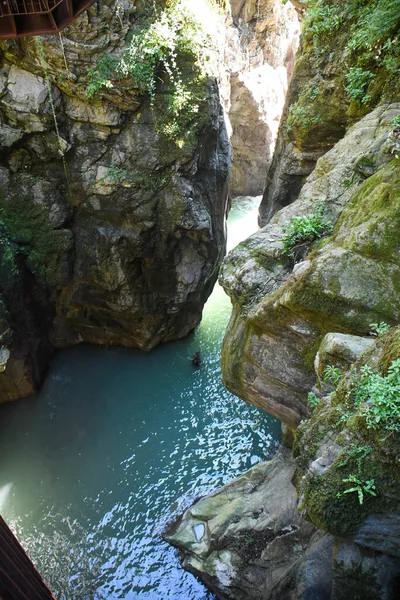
x=262 y=40
x=118 y=228
x=307 y=292
x=281 y=310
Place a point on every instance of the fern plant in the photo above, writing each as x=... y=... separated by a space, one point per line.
x=377 y=397
x=305 y=229
x=332 y=375
x=359 y=487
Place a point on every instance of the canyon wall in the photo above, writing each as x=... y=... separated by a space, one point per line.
x=113 y=200
x=314 y=337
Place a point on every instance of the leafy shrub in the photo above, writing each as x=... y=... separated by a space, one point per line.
x=167 y=47
x=358 y=81
x=379 y=328
x=375 y=23
x=368 y=30
x=101 y=75
x=313 y=399
x=321 y=19
x=377 y=397
x=304 y=230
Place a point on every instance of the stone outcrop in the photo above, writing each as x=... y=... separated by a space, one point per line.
x=247 y=540
x=299 y=148
x=348 y=475
x=262 y=40
x=340 y=351
x=282 y=311
x=119 y=228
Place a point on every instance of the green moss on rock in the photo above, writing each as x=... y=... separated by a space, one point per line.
x=359 y=451
x=28 y=231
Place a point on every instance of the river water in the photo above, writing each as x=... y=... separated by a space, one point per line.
x=116 y=444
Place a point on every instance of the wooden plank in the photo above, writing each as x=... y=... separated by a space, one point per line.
x=19 y=579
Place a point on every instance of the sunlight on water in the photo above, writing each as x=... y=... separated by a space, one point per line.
x=115 y=445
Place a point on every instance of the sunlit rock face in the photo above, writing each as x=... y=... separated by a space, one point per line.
x=114 y=231
x=262 y=39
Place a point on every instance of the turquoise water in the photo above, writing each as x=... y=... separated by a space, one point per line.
x=115 y=445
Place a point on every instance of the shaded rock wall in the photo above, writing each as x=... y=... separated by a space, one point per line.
x=120 y=228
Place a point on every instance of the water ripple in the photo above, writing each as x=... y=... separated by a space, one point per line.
x=117 y=444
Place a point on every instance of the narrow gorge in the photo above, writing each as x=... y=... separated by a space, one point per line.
x=126 y=140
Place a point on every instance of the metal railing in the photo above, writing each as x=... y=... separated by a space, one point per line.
x=27 y=7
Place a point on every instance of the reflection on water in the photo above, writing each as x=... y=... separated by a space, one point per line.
x=116 y=444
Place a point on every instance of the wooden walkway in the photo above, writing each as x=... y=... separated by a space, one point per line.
x=19 y=579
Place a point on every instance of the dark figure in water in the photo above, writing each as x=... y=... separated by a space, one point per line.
x=196 y=360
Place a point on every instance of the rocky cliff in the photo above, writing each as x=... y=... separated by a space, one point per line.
x=283 y=308
x=313 y=337
x=114 y=194
x=337 y=536
x=337 y=79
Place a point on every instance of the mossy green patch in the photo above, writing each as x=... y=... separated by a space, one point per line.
x=366 y=33
x=8 y=257
x=29 y=232
x=371 y=219
x=390 y=348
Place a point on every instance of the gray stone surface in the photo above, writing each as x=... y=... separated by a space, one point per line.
x=380 y=532
x=341 y=351
x=129 y=228
x=252 y=543
x=281 y=314
x=363 y=575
